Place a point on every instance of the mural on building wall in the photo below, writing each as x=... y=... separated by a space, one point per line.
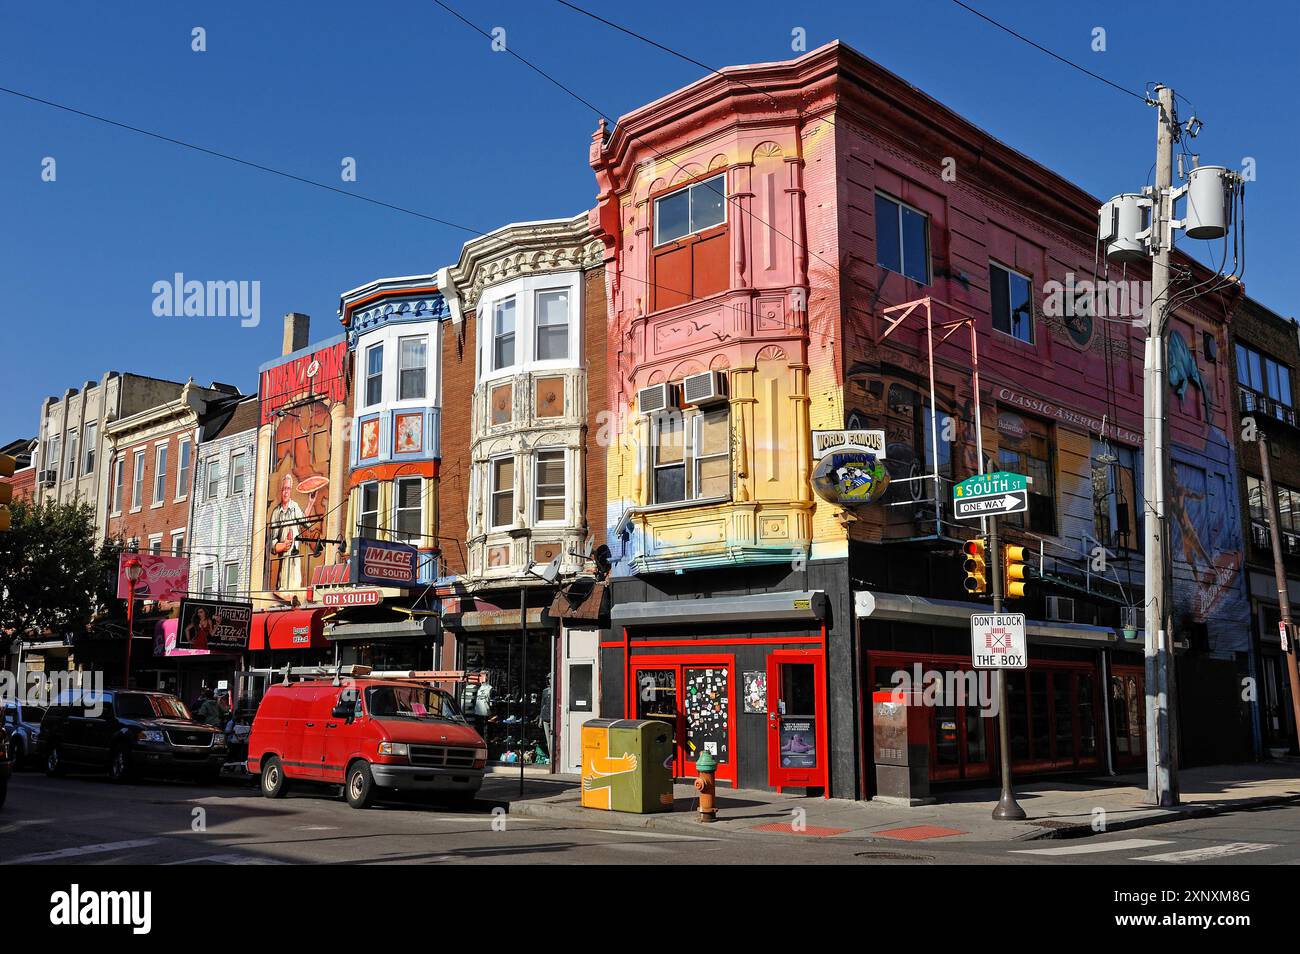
x=304 y=415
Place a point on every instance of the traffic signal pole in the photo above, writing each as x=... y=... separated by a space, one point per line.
x=1008 y=809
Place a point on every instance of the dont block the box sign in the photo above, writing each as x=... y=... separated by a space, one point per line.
x=379 y=563
x=997 y=641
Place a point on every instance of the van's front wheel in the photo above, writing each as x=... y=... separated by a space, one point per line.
x=359 y=787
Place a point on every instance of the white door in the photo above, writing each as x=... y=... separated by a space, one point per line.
x=581 y=688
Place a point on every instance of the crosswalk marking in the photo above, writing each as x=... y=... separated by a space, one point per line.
x=1208 y=853
x=82 y=850
x=1093 y=847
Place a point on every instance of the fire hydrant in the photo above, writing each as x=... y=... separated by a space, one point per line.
x=705 y=766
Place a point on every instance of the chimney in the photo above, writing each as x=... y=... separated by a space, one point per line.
x=295 y=331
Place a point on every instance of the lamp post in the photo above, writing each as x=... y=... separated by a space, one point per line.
x=133 y=570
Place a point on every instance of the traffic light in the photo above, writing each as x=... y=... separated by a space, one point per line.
x=7 y=465
x=977 y=581
x=1015 y=575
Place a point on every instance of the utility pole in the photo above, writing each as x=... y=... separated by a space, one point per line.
x=1007 y=809
x=1279 y=575
x=1162 y=759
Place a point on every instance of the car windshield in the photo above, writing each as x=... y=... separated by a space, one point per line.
x=136 y=705
x=410 y=702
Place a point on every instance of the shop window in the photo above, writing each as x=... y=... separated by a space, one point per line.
x=902 y=239
x=1115 y=498
x=503 y=334
x=374 y=375
x=550 y=490
x=1025 y=447
x=1011 y=302
x=502 y=507
x=552 y=330
x=690 y=254
x=412 y=367
x=408 y=510
x=368 y=513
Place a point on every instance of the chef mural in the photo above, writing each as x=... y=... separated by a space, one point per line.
x=304 y=418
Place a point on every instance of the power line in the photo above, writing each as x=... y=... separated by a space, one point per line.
x=1054 y=55
x=236 y=159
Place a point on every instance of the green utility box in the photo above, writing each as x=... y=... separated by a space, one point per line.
x=627 y=765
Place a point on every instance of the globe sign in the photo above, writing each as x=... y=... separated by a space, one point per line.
x=850 y=479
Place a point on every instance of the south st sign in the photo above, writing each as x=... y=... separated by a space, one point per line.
x=997 y=641
x=990 y=495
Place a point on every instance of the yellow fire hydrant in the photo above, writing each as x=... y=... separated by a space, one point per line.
x=705 y=766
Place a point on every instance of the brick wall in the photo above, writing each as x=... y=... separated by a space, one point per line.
x=596 y=333
x=171 y=514
x=457 y=408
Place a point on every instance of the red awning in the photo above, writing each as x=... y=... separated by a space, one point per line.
x=288 y=629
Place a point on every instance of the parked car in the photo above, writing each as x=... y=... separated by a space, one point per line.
x=6 y=765
x=130 y=733
x=366 y=735
x=24 y=723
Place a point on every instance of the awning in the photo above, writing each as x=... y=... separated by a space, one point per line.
x=795 y=605
x=289 y=629
x=901 y=608
x=397 y=629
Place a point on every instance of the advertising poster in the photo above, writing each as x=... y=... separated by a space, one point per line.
x=303 y=406
x=799 y=742
x=163 y=578
x=214 y=625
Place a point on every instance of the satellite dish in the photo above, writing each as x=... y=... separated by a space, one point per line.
x=552 y=571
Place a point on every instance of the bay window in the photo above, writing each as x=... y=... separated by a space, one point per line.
x=374 y=374
x=502 y=493
x=552 y=316
x=689 y=259
x=408 y=510
x=690 y=455
x=549 y=488
x=368 y=511
x=503 y=334
x=412 y=368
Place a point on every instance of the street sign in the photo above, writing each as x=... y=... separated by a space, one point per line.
x=997 y=641
x=990 y=495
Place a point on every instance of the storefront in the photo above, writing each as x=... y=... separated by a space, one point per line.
x=185 y=673
x=293 y=637
x=400 y=645
x=507 y=689
x=1078 y=707
x=742 y=678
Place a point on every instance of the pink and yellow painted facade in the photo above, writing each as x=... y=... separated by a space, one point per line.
x=767 y=317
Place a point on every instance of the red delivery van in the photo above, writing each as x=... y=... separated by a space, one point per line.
x=366 y=734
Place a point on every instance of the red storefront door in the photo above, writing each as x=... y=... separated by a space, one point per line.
x=796 y=719
x=696 y=696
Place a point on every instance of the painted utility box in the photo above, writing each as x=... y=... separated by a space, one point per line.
x=626 y=765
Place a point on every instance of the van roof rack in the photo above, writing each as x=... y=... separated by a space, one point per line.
x=290 y=673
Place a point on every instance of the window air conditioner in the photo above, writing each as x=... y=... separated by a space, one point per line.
x=657 y=397
x=710 y=387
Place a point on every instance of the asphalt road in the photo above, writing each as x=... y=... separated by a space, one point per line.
x=85 y=819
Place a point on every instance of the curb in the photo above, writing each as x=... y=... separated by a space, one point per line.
x=1167 y=815
x=671 y=822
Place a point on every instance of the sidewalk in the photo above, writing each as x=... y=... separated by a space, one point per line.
x=1057 y=808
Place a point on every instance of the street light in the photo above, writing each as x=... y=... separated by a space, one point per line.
x=134 y=570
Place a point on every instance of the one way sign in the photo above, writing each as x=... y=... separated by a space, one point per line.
x=1014 y=502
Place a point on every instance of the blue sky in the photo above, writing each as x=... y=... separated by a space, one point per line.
x=440 y=124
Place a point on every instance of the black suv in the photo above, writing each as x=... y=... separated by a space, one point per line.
x=129 y=733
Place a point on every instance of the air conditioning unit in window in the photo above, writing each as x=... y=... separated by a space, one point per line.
x=46 y=478
x=709 y=387
x=1060 y=609
x=657 y=397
